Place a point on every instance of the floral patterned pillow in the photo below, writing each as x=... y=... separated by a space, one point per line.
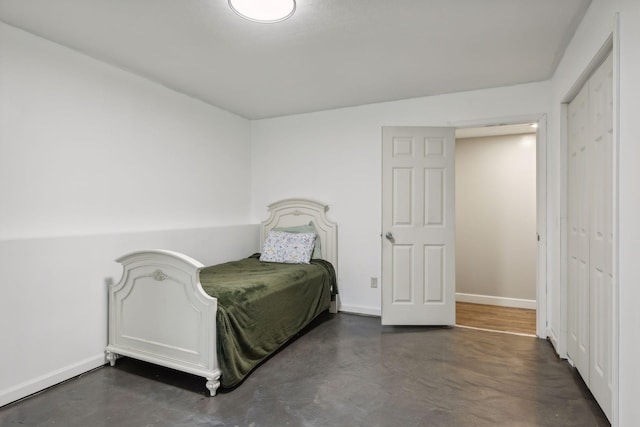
x=308 y=228
x=290 y=248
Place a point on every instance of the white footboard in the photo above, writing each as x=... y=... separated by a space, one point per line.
x=159 y=313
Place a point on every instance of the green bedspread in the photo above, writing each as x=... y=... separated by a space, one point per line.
x=261 y=306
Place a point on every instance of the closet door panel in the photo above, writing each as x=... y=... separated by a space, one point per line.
x=578 y=224
x=601 y=236
x=590 y=233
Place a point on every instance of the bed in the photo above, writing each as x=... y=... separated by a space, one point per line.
x=222 y=321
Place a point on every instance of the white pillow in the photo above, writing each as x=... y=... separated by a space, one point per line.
x=308 y=228
x=290 y=248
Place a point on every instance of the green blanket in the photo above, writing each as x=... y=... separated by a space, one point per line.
x=261 y=306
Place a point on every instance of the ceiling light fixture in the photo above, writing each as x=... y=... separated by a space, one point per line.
x=265 y=11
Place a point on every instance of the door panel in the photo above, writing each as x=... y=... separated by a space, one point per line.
x=402 y=277
x=590 y=224
x=434 y=274
x=601 y=236
x=402 y=196
x=434 y=197
x=418 y=265
x=578 y=249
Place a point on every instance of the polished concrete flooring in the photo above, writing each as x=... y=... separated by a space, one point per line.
x=345 y=371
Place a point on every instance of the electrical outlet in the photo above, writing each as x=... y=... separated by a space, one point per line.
x=374 y=282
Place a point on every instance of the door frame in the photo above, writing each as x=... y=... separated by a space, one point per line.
x=610 y=46
x=541 y=204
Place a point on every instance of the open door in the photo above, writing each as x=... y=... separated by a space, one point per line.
x=418 y=226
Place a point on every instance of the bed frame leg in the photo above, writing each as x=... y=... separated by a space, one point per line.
x=111 y=358
x=334 y=305
x=212 y=385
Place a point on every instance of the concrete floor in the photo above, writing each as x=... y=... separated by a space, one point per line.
x=345 y=371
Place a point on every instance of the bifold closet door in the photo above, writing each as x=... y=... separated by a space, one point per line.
x=590 y=228
x=578 y=229
x=601 y=236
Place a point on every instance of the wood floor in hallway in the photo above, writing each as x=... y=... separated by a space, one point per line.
x=496 y=318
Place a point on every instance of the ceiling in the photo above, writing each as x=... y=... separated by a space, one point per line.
x=498 y=130
x=330 y=54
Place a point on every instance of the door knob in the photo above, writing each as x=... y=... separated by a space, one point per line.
x=389 y=235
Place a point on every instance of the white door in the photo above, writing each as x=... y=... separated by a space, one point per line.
x=590 y=223
x=418 y=226
x=601 y=236
x=578 y=225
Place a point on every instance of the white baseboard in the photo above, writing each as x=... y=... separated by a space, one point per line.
x=357 y=309
x=500 y=301
x=47 y=380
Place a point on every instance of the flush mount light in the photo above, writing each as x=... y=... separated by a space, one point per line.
x=265 y=11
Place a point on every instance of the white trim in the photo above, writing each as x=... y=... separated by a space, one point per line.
x=499 y=301
x=610 y=45
x=541 y=227
x=498 y=121
x=495 y=331
x=561 y=334
x=50 y=379
x=361 y=310
x=597 y=60
x=615 y=341
x=554 y=340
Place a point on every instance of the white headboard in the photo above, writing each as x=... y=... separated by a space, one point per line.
x=290 y=212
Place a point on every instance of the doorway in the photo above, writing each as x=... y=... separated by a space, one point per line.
x=421 y=275
x=496 y=228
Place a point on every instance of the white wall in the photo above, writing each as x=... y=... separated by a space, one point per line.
x=597 y=25
x=90 y=158
x=53 y=310
x=88 y=148
x=496 y=248
x=335 y=157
